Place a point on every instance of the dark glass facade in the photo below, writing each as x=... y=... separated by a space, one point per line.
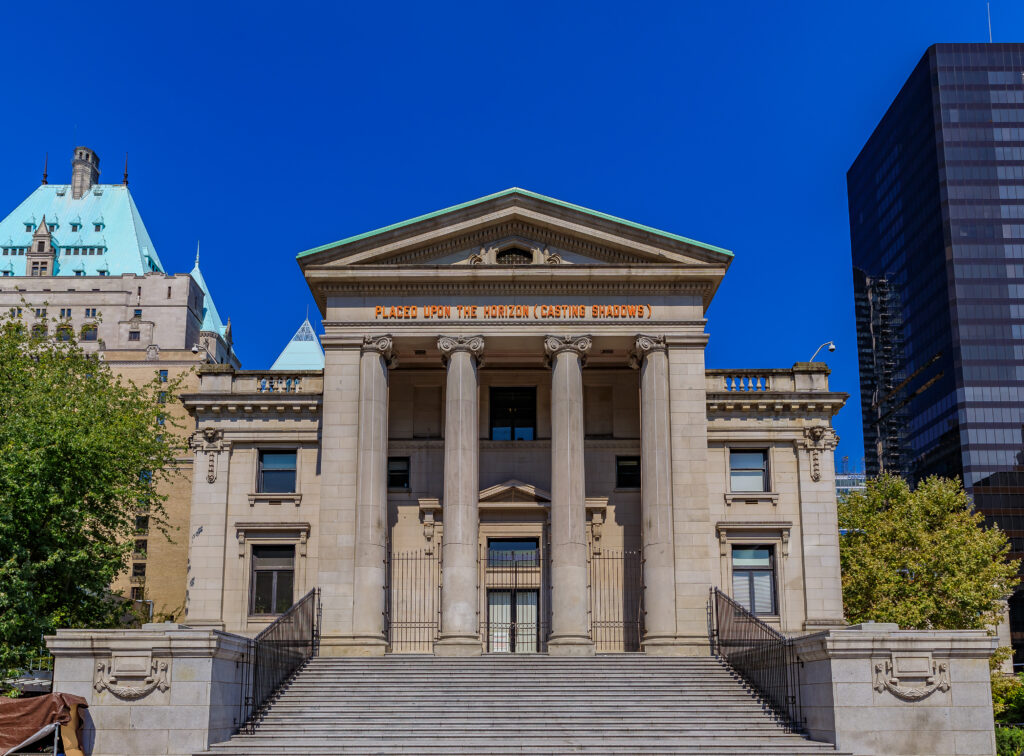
x=936 y=202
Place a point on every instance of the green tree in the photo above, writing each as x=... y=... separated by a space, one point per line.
x=81 y=454
x=923 y=558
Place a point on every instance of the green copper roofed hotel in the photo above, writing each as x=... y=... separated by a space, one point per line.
x=510 y=193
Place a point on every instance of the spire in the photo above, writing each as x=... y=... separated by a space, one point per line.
x=42 y=229
x=46 y=160
x=197 y=253
x=126 y=169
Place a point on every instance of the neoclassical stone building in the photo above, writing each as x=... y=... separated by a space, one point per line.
x=514 y=445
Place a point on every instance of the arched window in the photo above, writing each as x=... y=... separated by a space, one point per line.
x=514 y=256
x=63 y=333
x=89 y=332
x=39 y=331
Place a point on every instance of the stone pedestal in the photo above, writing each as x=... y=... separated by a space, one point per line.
x=460 y=618
x=874 y=690
x=570 y=595
x=368 y=600
x=660 y=636
x=164 y=689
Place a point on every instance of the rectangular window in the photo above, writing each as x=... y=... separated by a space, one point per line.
x=272 y=579
x=139 y=569
x=627 y=472
x=79 y=272
x=398 y=473
x=748 y=470
x=102 y=272
x=40 y=312
x=753 y=578
x=137 y=314
x=138 y=593
x=142 y=524
x=140 y=546
x=513 y=413
x=133 y=335
x=163 y=376
x=89 y=333
x=90 y=312
x=277 y=472
x=65 y=312
x=506 y=552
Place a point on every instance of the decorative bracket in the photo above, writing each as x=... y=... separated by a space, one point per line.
x=930 y=676
x=818 y=439
x=430 y=509
x=151 y=673
x=211 y=441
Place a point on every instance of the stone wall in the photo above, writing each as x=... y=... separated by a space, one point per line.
x=874 y=690
x=164 y=689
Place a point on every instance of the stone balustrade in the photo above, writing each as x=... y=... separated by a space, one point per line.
x=223 y=379
x=803 y=376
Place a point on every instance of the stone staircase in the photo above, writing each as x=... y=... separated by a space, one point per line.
x=615 y=704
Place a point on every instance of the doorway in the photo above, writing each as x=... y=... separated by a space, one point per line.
x=513 y=596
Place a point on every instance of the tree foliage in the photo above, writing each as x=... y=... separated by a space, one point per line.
x=923 y=558
x=81 y=454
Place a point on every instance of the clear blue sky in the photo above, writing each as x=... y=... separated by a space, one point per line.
x=264 y=130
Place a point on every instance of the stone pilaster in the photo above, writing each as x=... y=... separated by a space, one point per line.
x=460 y=622
x=570 y=623
x=376 y=357
x=823 y=590
x=204 y=596
x=651 y=357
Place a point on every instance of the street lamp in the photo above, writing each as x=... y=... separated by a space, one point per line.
x=197 y=347
x=830 y=344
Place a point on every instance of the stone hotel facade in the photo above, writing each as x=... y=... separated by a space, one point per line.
x=514 y=445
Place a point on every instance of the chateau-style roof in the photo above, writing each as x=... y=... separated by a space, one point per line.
x=121 y=235
x=211 y=318
x=522 y=193
x=303 y=352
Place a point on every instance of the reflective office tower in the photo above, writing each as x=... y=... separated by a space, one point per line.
x=937 y=230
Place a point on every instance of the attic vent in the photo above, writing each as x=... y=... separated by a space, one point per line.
x=513 y=257
x=61 y=191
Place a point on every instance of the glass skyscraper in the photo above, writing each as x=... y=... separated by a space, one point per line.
x=936 y=203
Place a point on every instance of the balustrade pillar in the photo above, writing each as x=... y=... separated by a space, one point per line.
x=650 y=355
x=570 y=623
x=460 y=625
x=368 y=598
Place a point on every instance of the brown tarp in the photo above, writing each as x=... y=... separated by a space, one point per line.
x=21 y=718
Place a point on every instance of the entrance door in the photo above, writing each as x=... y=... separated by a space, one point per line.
x=513 y=596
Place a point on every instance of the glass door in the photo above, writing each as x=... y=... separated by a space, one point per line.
x=499 y=621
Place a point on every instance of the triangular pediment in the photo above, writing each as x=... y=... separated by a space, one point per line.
x=514 y=491
x=515 y=227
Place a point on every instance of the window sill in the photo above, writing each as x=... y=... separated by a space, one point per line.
x=275 y=498
x=751 y=497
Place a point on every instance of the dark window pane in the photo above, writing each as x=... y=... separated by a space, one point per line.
x=283 y=597
x=513 y=413
x=278 y=460
x=627 y=472
x=273 y=557
x=398 y=472
x=277 y=472
x=263 y=592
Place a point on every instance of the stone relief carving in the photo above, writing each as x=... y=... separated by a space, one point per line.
x=554 y=345
x=818 y=439
x=211 y=442
x=384 y=346
x=924 y=674
x=153 y=352
x=643 y=346
x=148 y=674
x=448 y=345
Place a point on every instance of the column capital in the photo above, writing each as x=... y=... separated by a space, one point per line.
x=643 y=346
x=554 y=345
x=449 y=345
x=382 y=345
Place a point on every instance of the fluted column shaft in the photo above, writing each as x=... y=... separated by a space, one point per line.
x=368 y=599
x=460 y=633
x=651 y=356
x=570 y=623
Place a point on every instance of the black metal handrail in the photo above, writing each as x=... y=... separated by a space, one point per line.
x=276 y=654
x=760 y=654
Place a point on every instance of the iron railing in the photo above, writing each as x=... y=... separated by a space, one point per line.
x=515 y=619
x=616 y=600
x=760 y=654
x=412 y=609
x=276 y=654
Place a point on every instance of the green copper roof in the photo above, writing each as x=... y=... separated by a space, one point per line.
x=104 y=223
x=506 y=192
x=211 y=318
x=303 y=352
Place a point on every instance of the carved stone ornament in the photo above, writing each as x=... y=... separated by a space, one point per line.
x=554 y=345
x=384 y=346
x=818 y=439
x=147 y=674
x=449 y=345
x=476 y=259
x=211 y=442
x=643 y=346
x=153 y=352
x=924 y=675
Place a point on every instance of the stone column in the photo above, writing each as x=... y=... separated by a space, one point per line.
x=823 y=587
x=460 y=624
x=570 y=623
x=376 y=357
x=651 y=357
x=207 y=534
